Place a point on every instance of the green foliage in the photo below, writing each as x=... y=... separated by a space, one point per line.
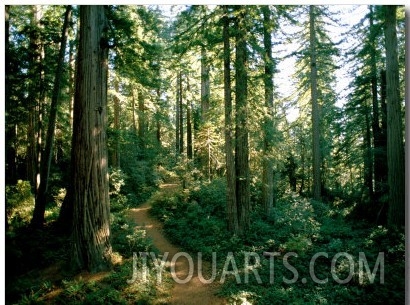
x=193 y=220
x=83 y=292
x=19 y=203
x=211 y=197
x=126 y=238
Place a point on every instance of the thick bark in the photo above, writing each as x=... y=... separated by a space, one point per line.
x=42 y=194
x=91 y=206
x=267 y=176
x=241 y=120
x=395 y=150
x=315 y=108
x=231 y=207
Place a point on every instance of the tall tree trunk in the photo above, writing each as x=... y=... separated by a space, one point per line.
x=315 y=108
x=241 y=128
x=91 y=223
x=379 y=158
x=42 y=194
x=189 y=146
x=181 y=116
x=177 y=116
x=205 y=86
x=71 y=90
x=35 y=95
x=10 y=126
x=205 y=97
x=117 y=110
x=368 y=161
x=395 y=150
x=267 y=176
x=380 y=148
x=141 y=121
x=157 y=118
x=134 y=116
x=231 y=207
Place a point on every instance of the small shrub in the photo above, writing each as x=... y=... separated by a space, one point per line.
x=19 y=204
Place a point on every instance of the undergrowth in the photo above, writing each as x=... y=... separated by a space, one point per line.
x=38 y=261
x=299 y=230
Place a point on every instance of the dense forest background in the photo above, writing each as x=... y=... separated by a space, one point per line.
x=282 y=126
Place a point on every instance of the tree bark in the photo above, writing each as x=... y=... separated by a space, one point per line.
x=181 y=117
x=141 y=121
x=241 y=120
x=267 y=176
x=395 y=150
x=10 y=125
x=157 y=118
x=189 y=144
x=117 y=110
x=91 y=221
x=315 y=108
x=205 y=86
x=231 y=207
x=177 y=116
x=42 y=194
x=368 y=160
x=35 y=101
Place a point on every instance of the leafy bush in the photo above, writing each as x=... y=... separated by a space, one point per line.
x=19 y=203
x=211 y=196
x=126 y=238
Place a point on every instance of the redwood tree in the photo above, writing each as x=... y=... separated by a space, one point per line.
x=241 y=120
x=232 y=211
x=395 y=150
x=91 y=206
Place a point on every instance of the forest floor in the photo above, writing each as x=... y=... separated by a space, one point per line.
x=192 y=292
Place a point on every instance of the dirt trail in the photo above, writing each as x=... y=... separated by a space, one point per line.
x=194 y=292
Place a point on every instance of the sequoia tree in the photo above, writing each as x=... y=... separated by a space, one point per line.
x=91 y=206
x=395 y=150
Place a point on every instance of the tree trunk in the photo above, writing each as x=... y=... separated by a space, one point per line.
x=205 y=86
x=117 y=109
x=91 y=222
x=10 y=125
x=158 y=120
x=267 y=176
x=181 y=117
x=42 y=194
x=134 y=116
x=189 y=146
x=141 y=121
x=231 y=207
x=315 y=108
x=241 y=120
x=368 y=161
x=395 y=150
x=35 y=94
x=177 y=116
x=378 y=149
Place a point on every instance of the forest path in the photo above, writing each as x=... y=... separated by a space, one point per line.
x=194 y=292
